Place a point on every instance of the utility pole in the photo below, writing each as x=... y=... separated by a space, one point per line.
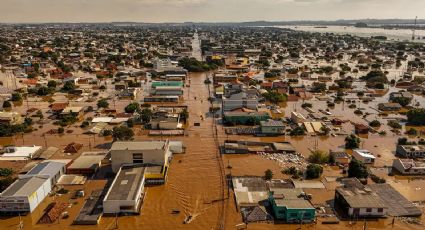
x=414 y=29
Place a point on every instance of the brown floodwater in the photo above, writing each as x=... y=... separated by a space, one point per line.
x=195 y=179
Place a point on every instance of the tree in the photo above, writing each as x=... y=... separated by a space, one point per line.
x=357 y=169
x=7 y=104
x=16 y=97
x=122 y=133
x=318 y=157
x=268 y=174
x=132 y=107
x=69 y=85
x=102 y=103
x=352 y=141
x=61 y=130
x=298 y=131
x=403 y=101
x=375 y=123
x=274 y=97
x=146 y=115
x=416 y=116
x=52 y=84
x=313 y=171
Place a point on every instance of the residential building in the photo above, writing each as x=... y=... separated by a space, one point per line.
x=411 y=151
x=272 y=127
x=389 y=106
x=11 y=118
x=364 y=156
x=291 y=205
x=357 y=201
x=409 y=167
x=341 y=158
x=297 y=117
x=26 y=152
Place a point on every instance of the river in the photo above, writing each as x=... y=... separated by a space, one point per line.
x=391 y=34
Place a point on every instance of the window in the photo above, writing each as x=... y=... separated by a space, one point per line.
x=138 y=158
x=380 y=210
x=294 y=214
x=368 y=210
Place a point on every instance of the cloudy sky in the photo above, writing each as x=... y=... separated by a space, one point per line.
x=204 y=10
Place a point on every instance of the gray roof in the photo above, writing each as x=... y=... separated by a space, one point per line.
x=87 y=160
x=25 y=186
x=138 y=145
x=50 y=168
x=289 y=198
x=126 y=183
x=361 y=198
x=271 y=123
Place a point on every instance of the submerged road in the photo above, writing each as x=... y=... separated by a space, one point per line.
x=196 y=47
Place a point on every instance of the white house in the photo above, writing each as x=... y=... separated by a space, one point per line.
x=409 y=167
x=365 y=156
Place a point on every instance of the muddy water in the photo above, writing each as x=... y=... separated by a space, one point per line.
x=194 y=183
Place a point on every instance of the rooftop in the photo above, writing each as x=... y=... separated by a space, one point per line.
x=25 y=186
x=126 y=183
x=138 y=145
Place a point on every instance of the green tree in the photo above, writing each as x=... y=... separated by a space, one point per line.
x=318 y=157
x=52 y=84
x=375 y=123
x=416 y=116
x=103 y=103
x=403 y=101
x=357 y=169
x=274 y=97
x=268 y=174
x=7 y=104
x=352 y=141
x=132 y=107
x=16 y=97
x=146 y=115
x=184 y=115
x=313 y=171
x=69 y=85
x=122 y=133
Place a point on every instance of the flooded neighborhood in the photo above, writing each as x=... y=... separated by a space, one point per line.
x=221 y=126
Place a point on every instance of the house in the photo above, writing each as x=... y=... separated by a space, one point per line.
x=25 y=152
x=87 y=164
x=240 y=100
x=389 y=106
x=140 y=152
x=74 y=111
x=409 y=167
x=127 y=191
x=165 y=123
x=57 y=108
x=361 y=129
x=358 y=201
x=245 y=118
x=272 y=127
x=411 y=151
x=11 y=118
x=73 y=147
x=364 y=156
x=341 y=158
x=291 y=205
x=397 y=95
x=297 y=117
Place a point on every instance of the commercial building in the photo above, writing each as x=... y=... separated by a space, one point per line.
x=141 y=152
x=409 y=167
x=27 y=192
x=245 y=118
x=411 y=151
x=240 y=100
x=87 y=164
x=127 y=191
x=364 y=156
x=291 y=205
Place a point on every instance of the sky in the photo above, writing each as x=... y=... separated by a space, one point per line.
x=39 y=11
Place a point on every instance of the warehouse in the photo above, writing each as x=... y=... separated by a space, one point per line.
x=126 y=192
x=86 y=164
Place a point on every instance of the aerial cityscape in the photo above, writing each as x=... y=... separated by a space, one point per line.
x=193 y=114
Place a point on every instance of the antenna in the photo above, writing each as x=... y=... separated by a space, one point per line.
x=414 y=29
